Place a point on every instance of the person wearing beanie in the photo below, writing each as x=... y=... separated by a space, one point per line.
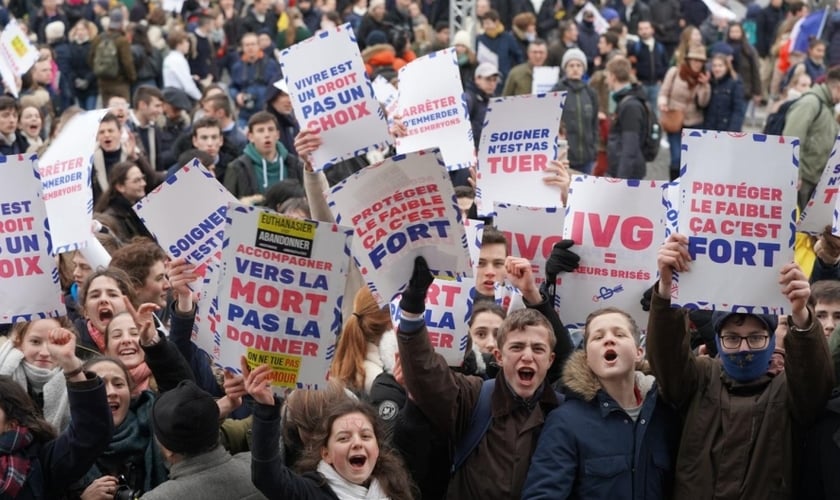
x=467 y=62
x=580 y=113
x=521 y=77
x=740 y=417
x=186 y=426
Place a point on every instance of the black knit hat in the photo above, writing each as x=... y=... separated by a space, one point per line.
x=186 y=419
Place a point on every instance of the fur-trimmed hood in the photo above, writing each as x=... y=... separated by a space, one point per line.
x=579 y=378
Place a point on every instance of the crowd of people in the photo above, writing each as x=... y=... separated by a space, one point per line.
x=114 y=400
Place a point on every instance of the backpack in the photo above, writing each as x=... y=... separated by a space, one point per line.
x=480 y=420
x=106 y=62
x=652 y=134
x=775 y=124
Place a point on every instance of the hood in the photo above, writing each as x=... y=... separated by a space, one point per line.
x=381 y=53
x=634 y=89
x=581 y=380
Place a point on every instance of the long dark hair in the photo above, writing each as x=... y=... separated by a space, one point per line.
x=19 y=407
x=118 y=175
x=140 y=36
x=389 y=470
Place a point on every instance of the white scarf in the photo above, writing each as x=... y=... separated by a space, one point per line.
x=50 y=382
x=346 y=490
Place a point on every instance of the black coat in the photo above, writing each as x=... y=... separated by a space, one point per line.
x=694 y=12
x=81 y=70
x=58 y=463
x=640 y=12
x=768 y=24
x=821 y=456
x=666 y=15
x=726 y=108
x=580 y=117
x=129 y=224
x=625 y=159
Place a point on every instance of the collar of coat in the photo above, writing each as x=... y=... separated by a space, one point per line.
x=581 y=380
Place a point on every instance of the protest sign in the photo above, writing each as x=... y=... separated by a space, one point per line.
x=740 y=219
x=434 y=110
x=474 y=229
x=17 y=55
x=545 y=78
x=205 y=334
x=66 y=172
x=599 y=23
x=615 y=224
x=331 y=94
x=280 y=294
x=485 y=54
x=671 y=205
x=519 y=139
x=197 y=232
x=819 y=211
x=29 y=274
x=386 y=94
x=448 y=309
x=718 y=10
x=402 y=208
x=531 y=233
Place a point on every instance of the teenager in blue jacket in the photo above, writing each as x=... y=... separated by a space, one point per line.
x=727 y=105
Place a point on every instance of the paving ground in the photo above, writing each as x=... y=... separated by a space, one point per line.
x=658 y=169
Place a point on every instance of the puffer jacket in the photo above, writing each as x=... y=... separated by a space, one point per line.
x=580 y=117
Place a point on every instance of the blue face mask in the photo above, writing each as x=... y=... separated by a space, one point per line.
x=746 y=366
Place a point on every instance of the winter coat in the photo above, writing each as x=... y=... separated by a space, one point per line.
x=747 y=66
x=447 y=399
x=148 y=66
x=694 y=12
x=676 y=94
x=727 y=106
x=251 y=24
x=253 y=78
x=81 y=70
x=381 y=58
x=241 y=178
x=580 y=117
x=19 y=146
x=625 y=159
x=821 y=456
x=477 y=101
x=739 y=439
x=519 y=81
x=505 y=46
x=368 y=25
x=128 y=223
x=832 y=35
x=650 y=66
x=590 y=447
x=588 y=42
x=640 y=12
x=64 y=61
x=767 y=27
x=815 y=129
x=58 y=463
x=214 y=474
x=119 y=85
x=665 y=16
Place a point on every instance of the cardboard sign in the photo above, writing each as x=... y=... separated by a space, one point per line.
x=280 y=294
x=601 y=25
x=402 y=208
x=545 y=78
x=434 y=110
x=29 y=274
x=531 y=233
x=617 y=230
x=819 y=211
x=519 y=139
x=386 y=94
x=66 y=171
x=17 y=55
x=738 y=209
x=332 y=95
x=197 y=232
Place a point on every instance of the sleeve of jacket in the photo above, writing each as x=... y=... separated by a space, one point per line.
x=800 y=116
x=809 y=371
x=68 y=457
x=445 y=397
x=554 y=463
x=232 y=179
x=508 y=91
x=630 y=118
x=167 y=365
x=268 y=471
x=234 y=434
x=703 y=92
x=516 y=55
x=126 y=60
x=92 y=50
x=180 y=333
x=678 y=373
x=823 y=271
x=563 y=347
x=755 y=70
x=315 y=184
x=739 y=107
x=661 y=64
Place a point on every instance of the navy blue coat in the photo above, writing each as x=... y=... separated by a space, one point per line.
x=591 y=449
x=650 y=67
x=727 y=106
x=255 y=79
x=507 y=48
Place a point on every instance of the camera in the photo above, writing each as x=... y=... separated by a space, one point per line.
x=125 y=492
x=248 y=101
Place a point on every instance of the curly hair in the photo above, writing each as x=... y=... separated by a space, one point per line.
x=389 y=470
x=137 y=258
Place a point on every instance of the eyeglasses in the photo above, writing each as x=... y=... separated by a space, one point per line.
x=756 y=341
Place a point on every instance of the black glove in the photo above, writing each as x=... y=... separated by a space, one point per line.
x=646 y=297
x=562 y=259
x=414 y=297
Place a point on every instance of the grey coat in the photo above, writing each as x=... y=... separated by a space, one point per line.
x=212 y=475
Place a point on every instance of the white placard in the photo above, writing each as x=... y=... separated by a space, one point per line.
x=531 y=233
x=819 y=212
x=434 y=110
x=402 y=208
x=545 y=78
x=17 y=55
x=519 y=139
x=599 y=23
x=331 y=94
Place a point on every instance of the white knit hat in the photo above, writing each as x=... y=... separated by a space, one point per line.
x=574 y=54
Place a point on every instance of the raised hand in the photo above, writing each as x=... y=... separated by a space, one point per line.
x=796 y=289
x=181 y=275
x=306 y=142
x=672 y=256
x=521 y=275
x=143 y=318
x=62 y=348
x=257 y=383
x=414 y=297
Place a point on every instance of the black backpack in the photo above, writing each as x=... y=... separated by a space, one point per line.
x=652 y=134
x=775 y=124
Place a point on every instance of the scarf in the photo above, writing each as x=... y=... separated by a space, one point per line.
x=346 y=490
x=688 y=76
x=133 y=440
x=14 y=464
x=49 y=382
x=746 y=366
x=141 y=374
x=97 y=337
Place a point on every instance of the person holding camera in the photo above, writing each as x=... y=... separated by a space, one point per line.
x=251 y=76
